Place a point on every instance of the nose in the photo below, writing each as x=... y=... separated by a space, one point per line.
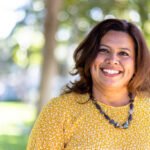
x=112 y=59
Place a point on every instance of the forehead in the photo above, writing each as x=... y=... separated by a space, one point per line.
x=117 y=38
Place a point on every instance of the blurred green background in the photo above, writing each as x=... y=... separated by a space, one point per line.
x=37 y=40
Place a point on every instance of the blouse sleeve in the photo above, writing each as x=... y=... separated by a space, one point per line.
x=47 y=133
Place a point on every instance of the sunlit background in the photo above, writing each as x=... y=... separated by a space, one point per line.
x=21 y=54
x=19 y=74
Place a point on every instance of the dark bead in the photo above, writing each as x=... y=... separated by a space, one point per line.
x=102 y=112
x=112 y=121
x=130 y=95
x=131 y=101
x=130 y=117
x=97 y=106
x=131 y=106
x=107 y=117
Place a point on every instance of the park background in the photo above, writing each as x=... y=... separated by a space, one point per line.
x=37 y=41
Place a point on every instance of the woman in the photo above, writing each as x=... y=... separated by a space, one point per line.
x=109 y=106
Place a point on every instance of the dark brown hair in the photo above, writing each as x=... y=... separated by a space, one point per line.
x=87 y=51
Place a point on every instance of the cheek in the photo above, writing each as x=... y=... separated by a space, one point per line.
x=130 y=65
x=95 y=66
x=98 y=60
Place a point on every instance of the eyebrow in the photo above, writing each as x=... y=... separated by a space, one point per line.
x=122 y=48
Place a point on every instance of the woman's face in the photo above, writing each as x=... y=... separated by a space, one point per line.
x=114 y=65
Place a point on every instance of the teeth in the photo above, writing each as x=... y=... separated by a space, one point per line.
x=109 y=71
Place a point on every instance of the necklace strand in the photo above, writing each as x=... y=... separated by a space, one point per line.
x=126 y=124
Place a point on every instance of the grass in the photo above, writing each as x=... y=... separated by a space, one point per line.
x=16 y=120
x=13 y=142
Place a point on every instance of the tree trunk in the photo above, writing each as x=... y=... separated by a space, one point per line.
x=49 y=66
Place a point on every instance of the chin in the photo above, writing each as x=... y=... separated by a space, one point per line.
x=113 y=85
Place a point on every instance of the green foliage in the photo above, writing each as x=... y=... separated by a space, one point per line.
x=76 y=17
x=19 y=47
x=89 y=12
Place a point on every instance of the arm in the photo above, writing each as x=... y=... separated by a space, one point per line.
x=47 y=132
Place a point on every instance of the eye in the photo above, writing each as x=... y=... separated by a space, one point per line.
x=103 y=50
x=122 y=53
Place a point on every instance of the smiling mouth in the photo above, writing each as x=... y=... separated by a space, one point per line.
x=110 y=72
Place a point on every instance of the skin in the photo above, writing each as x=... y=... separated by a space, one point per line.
x=113 y=68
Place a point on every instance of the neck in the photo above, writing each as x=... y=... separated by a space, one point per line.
x=112 y=97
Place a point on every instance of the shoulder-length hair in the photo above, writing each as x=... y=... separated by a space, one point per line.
x=87 y=51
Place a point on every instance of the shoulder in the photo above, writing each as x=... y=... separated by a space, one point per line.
x=70 y=97
x=143 y=104
x=67 y=101
x=143 y=101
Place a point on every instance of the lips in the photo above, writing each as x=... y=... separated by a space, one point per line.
x=110 y=72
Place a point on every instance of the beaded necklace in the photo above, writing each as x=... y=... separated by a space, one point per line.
x=126 y=124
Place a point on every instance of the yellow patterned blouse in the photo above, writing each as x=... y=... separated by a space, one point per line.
x=66 y=124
